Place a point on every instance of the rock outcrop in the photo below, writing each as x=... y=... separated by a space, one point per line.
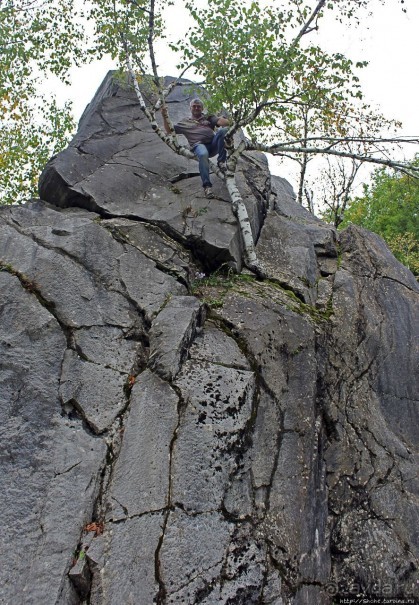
x=175 y=438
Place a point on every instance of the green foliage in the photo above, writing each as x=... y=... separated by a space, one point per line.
x=276 y=76
x=238 y=80
x=405 y=247
x=26 y=147
x=215 y=47
x=132 y=19
x=318 y=99
x=294 y=99
x=45 y=33
x=212 y=289
x=390 y=207
x=36 y=38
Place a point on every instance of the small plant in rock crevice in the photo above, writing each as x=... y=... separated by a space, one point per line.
x=213 y=288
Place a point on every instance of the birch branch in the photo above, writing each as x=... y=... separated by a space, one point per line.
x=306 y=27
x=281 y=149
x=169 y=139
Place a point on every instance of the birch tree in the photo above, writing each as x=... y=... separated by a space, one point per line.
x=334 y=188
x=255 y=60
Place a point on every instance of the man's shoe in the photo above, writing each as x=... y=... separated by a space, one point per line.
x=222 y=166
x=208 y=192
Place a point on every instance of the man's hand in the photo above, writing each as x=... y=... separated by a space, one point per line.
x=223 y=122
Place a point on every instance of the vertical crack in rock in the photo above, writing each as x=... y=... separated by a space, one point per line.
x=203 y=582
x=85 y=566
x=273 y=470
x=58 y=456
x=162 y=592
x=238 y=502
x=219 y=405
x=278 y=356
x=364 y=454
x=239 y=568
x=135 y=499
x=136 y=482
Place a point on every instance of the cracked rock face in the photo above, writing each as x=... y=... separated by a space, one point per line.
x=106 y=170
x=169 y=439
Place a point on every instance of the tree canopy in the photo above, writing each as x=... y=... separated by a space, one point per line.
x=389 y=206
x=36 y=38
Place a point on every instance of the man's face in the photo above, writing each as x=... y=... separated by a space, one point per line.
x=196 y=110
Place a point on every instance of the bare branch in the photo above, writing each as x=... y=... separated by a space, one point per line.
x=31 y=5
x=336 y=183
x=306 y=27
x=173 y=84
x=135 y=3
x=368 y=140
x=404 y=167
x=249 y=118
x=150 y=39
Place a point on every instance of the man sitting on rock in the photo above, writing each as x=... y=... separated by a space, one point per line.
x=199 y=130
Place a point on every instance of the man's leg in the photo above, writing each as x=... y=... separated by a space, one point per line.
x=217 y=145
x=202 y=154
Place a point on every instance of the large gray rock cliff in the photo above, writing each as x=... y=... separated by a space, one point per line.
x=173 y=439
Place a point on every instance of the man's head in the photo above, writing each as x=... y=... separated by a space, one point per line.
x=197 y=107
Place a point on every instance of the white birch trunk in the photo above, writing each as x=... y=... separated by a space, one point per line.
x=240 y=210
x=169 y=139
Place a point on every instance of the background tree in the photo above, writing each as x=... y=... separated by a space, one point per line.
x=36 y=38
x=389 y=206
x=323 y=95
x=331 y=112
x=334 y=188
x=29 y=137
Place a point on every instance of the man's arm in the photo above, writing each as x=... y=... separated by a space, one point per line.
x=223 y=122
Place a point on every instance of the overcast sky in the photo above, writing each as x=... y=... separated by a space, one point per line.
x=389 y=40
